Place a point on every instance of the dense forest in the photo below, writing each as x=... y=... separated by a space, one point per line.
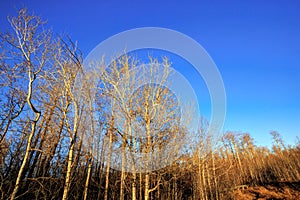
x=67 y=133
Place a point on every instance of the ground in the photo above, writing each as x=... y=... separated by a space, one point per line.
x=270 y=191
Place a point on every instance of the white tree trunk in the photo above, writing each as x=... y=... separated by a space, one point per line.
x=33 y=127
x=86 y=187
x=69 y=169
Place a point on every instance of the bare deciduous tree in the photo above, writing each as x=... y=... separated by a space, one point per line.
x=31 y=43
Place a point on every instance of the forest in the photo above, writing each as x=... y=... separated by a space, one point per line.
x=67 y=133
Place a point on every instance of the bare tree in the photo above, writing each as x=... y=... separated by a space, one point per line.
x=69 y=63
x=113 y=133
x=32 y=44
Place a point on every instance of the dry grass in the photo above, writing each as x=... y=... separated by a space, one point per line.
x=274 y=191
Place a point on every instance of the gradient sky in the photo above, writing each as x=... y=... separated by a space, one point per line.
x=255 y=45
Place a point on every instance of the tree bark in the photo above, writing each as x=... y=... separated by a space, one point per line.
x=110 y=132
x=86 y=188
x=32 y=77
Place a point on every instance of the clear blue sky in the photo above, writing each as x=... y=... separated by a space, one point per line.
x=255 y=44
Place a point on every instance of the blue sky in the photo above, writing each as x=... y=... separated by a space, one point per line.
x=255 y=45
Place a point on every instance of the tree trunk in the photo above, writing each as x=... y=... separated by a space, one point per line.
x=148 y=147
x=110 y=132
x=147 y=186
x=69 y=169
x=141 y=186
x=33 y=127
x=122 y=186
x=88 y=176
x=134 y=186
x=72 y=136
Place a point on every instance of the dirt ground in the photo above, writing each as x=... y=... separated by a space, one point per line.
x=271 y=191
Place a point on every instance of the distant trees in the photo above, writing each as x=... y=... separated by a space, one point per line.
x=113 y=133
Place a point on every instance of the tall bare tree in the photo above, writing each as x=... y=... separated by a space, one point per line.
x=31 y=44
x=69 y=62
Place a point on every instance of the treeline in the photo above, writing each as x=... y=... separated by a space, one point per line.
x=69 y=136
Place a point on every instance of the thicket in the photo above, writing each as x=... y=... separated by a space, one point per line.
x=58 y=142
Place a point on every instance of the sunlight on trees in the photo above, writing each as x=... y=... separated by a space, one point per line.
x=66 y=133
